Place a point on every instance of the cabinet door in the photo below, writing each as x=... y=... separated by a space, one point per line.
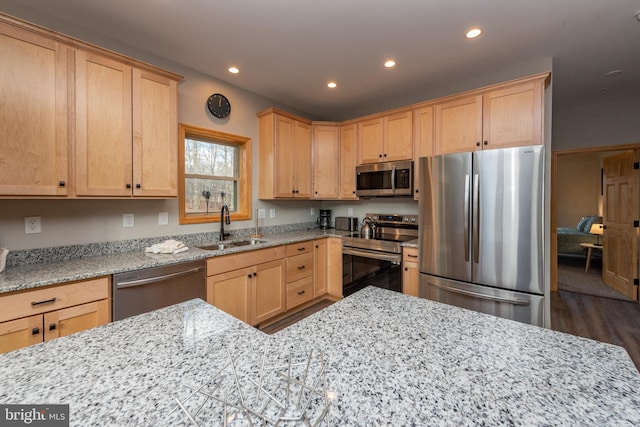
x=423 y=142
x=70 y=320
x=398 y=137
x=348 y=161
x=410 y=278
x=334 y=266
x=103 y=126
x=513 y=116
x=302 y=160
x=19 y=333
x=370 y=141
x=326 y=162
x=285 y=158
x=230 y=292
x=320 y=275
x=33 y=114
x=458 y=125
x=155 y=135
x=268 y=291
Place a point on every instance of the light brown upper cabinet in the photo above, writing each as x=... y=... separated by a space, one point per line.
x=348 y=161
x=387 y=138
x=33 y=124
x=126 y=130
x=507 y=115
x=122 y=112
x=326 y=161
x=284 y=150
x=423 y=141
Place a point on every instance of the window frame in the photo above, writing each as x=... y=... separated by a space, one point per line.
x=244 y=168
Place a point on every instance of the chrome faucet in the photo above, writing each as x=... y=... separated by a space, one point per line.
x=225 y=218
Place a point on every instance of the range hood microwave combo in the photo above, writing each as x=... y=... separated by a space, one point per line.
x=385 y=179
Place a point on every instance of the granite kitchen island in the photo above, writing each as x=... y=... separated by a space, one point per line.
x=391 y=359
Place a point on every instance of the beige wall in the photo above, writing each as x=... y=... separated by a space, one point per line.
x=578 y=188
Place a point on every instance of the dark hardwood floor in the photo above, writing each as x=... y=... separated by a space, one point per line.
x=602 y=319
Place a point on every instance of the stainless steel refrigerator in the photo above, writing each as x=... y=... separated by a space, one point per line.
x=482 y=231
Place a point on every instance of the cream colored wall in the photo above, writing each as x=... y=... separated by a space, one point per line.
x=578 y=188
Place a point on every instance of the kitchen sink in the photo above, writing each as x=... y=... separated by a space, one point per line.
x=225 y=245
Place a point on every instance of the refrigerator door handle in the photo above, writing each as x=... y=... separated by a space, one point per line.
x=513 y=301
x=467 y=179
x=476 y=218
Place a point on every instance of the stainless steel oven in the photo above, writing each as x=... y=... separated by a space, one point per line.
x=377 y=261
x=385 y=179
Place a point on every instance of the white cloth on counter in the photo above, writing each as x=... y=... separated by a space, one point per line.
x=167 y=247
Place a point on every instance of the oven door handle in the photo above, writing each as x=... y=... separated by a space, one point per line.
x=375 y=255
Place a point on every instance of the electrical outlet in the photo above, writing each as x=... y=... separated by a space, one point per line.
x=127 y=220
x=262 y=213
x=32 y=225
x=349 y=211
x=163 y=218
x=313 y=211
x=272 y=213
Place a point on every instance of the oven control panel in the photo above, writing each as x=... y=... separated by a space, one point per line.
x=394 y=219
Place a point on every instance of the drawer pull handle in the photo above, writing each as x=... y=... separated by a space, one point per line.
x=412 y=256
x=301 y=267
x=52 y=326
x=301 y=249
x=301 y=292
x=47 y=301
x=35 y=331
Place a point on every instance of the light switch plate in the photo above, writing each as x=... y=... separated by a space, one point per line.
x=272 y=213
x=32 y=225
x=349 y=211
x=163 y=218
x=313 y=211
x=128 y=220
x=262 y=213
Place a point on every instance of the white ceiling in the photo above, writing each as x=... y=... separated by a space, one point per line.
x=288 y=50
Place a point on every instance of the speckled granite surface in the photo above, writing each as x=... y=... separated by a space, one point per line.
x=79 y=265
x=392 y=360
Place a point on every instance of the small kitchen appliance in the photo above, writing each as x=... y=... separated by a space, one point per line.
x=347 y=223
x=324 y=220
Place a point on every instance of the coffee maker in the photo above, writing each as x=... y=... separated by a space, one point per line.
x=324 y=220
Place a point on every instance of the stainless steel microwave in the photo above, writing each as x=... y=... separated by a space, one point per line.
x=385 y=179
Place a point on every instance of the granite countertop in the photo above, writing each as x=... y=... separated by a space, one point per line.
x=44 y=273
x=392 y=359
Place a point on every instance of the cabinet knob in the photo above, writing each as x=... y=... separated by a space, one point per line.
x=128 y=185
x=255 y=274
x=61 y=184
x=406 y=269
x=138 y=186
x=317 y=246
x=52 y=326
x=380 y=155
x=385 y=154
x=249 y=275
x=486 y=142
x=478 y=144
x=35 y=331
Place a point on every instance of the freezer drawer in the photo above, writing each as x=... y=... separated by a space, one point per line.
x=512 y=305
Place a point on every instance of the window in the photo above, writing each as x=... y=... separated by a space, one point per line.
x=212 y=163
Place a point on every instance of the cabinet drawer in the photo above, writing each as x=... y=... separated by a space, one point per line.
x=300 y=248
x=53 y=298
x=222 y=264
x=299 y=266
x=410 y=255
x=299 y=292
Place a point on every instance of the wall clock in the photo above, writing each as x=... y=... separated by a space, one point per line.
x=219 y=105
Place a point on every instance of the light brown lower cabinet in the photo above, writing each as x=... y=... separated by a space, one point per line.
x=410 y=271
x=46 y=313
x=300 y=273
x=248 y=286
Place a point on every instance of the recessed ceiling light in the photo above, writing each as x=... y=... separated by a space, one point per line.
x=390 y=63
x=234 y=70
x=332 y=85
x=473 y=33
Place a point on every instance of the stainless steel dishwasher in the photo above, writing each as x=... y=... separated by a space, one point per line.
x=140 y=291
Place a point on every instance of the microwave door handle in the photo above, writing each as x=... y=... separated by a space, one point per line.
x=466 y=217
x=393 y=179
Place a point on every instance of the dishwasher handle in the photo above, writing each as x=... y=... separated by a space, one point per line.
x=140 y=282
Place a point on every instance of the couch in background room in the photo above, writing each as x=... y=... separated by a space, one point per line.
x=569 y=239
